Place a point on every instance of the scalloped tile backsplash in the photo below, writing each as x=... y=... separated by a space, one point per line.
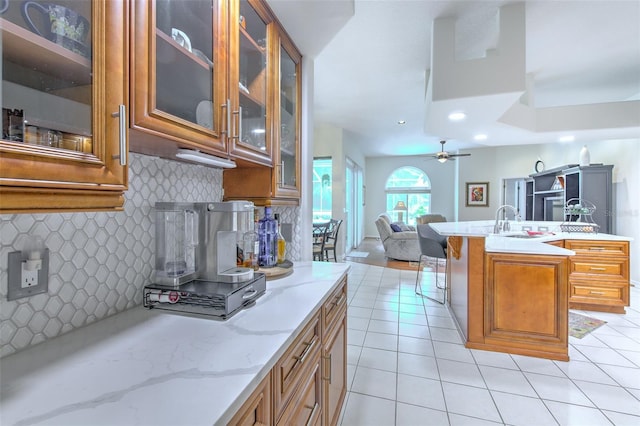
x=100 y=261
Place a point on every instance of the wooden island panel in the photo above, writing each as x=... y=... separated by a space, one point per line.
x=526 y=304
x=513 y=303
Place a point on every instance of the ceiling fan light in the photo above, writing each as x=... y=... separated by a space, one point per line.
x=442 y=159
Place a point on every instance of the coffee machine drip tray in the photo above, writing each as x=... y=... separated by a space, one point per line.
x=220 y=300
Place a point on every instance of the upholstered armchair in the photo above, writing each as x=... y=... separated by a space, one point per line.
x=399 y=245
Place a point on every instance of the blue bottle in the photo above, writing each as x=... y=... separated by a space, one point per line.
x=268 y=240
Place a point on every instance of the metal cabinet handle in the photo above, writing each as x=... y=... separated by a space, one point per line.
x=122 y=133
x=328 y=378
x=339 y=300
x=227 y=106
x=602 y=293
x=237 y=130
x=313 y=410
x=306 y=351
x=281 y=174
x=596 y=248
x=593 y=268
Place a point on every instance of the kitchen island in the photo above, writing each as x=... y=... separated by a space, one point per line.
x=512 y=292
x=144 y=367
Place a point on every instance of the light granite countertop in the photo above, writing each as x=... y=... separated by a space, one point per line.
x=508 y=242
x=143 y=367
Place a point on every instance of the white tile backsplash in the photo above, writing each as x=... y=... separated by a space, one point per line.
x=100 y=261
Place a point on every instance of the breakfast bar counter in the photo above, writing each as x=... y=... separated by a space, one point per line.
x=511 y=292
x=144 y=367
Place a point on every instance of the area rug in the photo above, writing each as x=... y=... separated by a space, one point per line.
x=357 y=254
x=581 y=325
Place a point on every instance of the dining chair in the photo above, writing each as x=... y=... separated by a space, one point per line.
x=332 y=239
x=432 y=245
x=319 y=237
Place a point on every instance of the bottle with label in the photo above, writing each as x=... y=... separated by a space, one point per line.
x=251 y=245
x=268 y=237
x=282 y=244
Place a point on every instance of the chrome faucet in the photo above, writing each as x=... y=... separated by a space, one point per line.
x=497 y=227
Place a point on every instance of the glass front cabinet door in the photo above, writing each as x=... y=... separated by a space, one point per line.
x=64 y=97
x=250 y=127
x=179 y=77
x=287 y=164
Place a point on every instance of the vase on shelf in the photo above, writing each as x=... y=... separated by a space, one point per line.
x=585 y=157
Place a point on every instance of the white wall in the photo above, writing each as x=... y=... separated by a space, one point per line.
x=379 y=169
x=331 y=141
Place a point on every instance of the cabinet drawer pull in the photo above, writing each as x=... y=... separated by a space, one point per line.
x=328 y=378
x=306 y=351
x=313 y=411
x=600 y=293
x=596 y=248
x=593 y=268
x=339 y=300
x=122 y=133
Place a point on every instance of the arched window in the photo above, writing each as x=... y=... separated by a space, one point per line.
x=408 y=192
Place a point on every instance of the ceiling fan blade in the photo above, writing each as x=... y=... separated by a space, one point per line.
x=459 y=155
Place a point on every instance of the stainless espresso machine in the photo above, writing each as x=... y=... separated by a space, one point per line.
x=197 y=267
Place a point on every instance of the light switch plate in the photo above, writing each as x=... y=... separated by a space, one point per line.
x=15 y=289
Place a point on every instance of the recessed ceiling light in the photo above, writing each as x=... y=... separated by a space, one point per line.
x=402 y=122
x=457 y=116
x=567 y=138
x=480 y=137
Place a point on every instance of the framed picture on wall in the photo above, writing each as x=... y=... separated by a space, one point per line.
x=477 y=194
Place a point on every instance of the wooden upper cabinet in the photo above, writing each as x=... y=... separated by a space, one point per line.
x=179 y=77
x=64 y=135
x=287 y=130
x=271 y=137
x=251 y=81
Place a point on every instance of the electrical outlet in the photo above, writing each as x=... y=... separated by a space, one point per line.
x=22 y=282
x=29 y=278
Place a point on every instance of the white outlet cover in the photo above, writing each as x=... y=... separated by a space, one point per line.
x=15 y=264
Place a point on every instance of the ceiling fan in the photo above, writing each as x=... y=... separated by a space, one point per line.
x=443 y=155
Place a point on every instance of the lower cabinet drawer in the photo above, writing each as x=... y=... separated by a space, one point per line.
x=306 y=405
x=598 y=248
x=333 y=307
x=296 y=361
x=599 y=294
x=614 y=267
x=257 y=409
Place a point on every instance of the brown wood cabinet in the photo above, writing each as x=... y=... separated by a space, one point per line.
x=221 y=77
x=334 y=354
x=179 y=77
x=305 y=407
x=294 y=364
x=64 y=144
x=279 y=183
x=257 y=409
x=537 y=324
x=309 y=381
x=599 y=275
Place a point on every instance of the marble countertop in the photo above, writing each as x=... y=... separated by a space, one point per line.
x=145 y=366
x=508 y=242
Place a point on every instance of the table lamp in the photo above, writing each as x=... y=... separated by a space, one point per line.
x=400 y=207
